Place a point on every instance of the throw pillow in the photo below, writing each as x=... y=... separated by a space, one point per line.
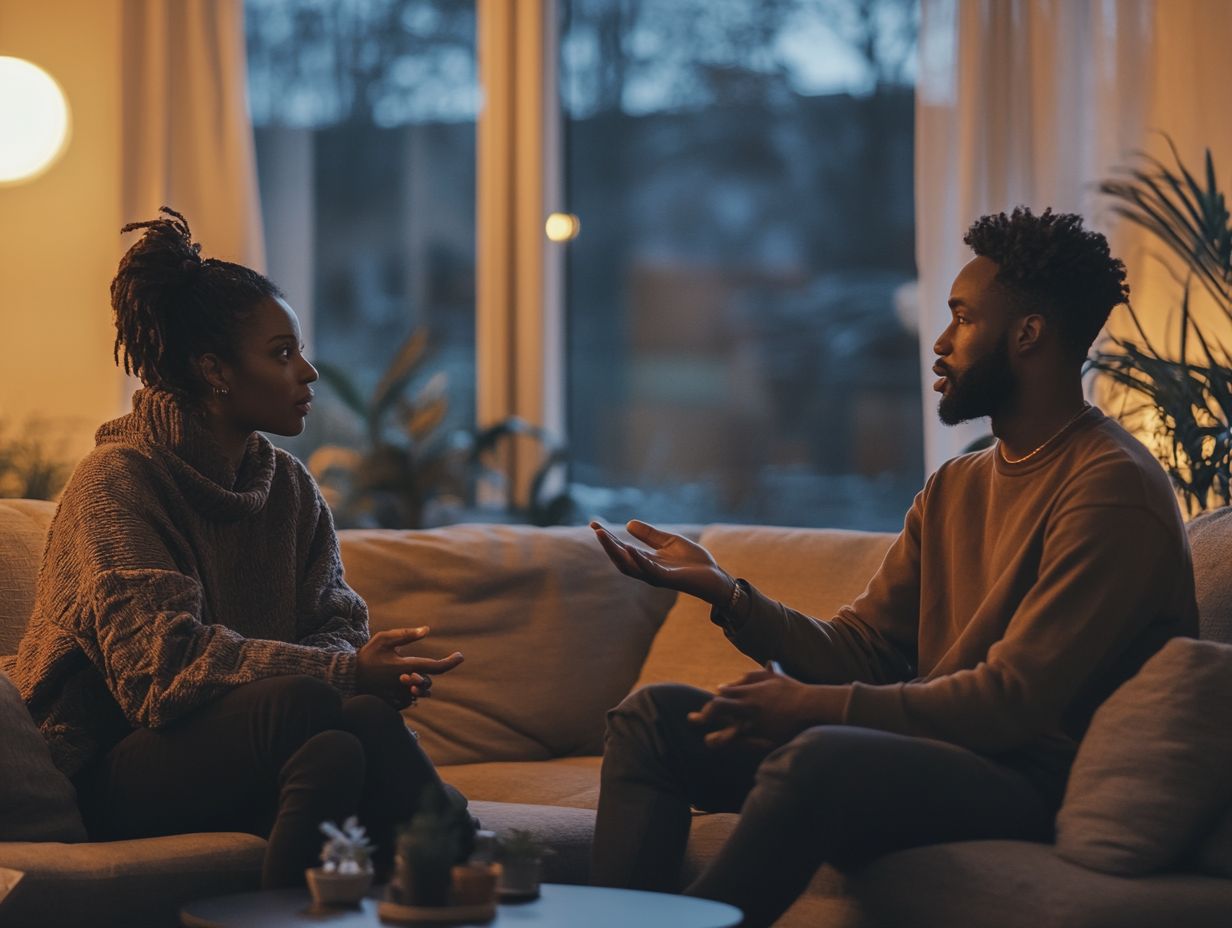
x=37 y=801
x=1155 y=765
x=23 y=535
x=814 y=571
x=553 y=634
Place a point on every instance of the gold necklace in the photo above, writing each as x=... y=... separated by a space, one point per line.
x=1028 y=456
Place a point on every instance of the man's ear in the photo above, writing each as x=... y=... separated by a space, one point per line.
x=213 y=371
x=1029 y=333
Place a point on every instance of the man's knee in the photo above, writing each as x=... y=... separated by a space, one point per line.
x=659 y=707
x=828 y=757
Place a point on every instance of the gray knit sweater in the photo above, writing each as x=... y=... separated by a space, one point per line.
x=169 y=578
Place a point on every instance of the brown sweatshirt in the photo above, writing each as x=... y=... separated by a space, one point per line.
x=168 y=579
x=1015 y=600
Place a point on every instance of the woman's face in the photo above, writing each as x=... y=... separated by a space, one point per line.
x=269 y=381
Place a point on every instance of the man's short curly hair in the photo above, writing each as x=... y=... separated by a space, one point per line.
x=1054 y=267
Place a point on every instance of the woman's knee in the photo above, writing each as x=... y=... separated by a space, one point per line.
x=330 y=760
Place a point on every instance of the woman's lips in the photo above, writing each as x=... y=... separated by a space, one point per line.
x=304 y=407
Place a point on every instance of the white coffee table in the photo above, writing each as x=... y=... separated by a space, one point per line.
x=559 y=907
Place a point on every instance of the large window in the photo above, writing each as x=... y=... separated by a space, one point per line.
x=737 y=316
x=741 y=340
x=364 y=114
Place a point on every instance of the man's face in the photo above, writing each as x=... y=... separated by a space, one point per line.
x=973 y=356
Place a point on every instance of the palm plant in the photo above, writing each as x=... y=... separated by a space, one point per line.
x=1188 y=397
x=27 y=468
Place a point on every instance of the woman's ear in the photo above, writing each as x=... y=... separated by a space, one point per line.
x=214 y=373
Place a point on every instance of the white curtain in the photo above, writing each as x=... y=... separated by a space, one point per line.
x=187 y=139
x=1033 y=102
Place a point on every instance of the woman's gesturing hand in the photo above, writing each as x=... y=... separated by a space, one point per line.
x=675 y=562
x=381 y=671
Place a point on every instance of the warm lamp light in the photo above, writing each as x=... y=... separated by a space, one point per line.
x=561 y=227
x=34 y=121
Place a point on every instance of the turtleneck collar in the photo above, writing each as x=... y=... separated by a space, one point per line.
x=163 y=423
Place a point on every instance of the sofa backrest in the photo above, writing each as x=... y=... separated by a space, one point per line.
x=553 y=634
x=815 y=571
x=23 y=535
x=1210 y=541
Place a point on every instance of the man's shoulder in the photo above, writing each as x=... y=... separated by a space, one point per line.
x=1110 y=466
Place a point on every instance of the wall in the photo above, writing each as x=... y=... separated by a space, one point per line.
x=59 y=234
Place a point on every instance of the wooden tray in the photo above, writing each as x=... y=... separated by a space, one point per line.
x=436 y=915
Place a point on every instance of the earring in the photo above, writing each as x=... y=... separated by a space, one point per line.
x=221 y=391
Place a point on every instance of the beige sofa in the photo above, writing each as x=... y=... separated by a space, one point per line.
x=553 y=637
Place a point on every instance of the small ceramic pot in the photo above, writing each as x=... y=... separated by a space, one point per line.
x=333 y=888
x=519 y=878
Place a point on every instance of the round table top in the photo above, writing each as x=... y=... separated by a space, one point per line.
x=558 y=906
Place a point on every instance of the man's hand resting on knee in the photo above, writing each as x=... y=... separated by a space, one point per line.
x=381 y=671
x=766 y=709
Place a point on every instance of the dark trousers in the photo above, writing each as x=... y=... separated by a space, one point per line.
x=273 y=758
x=834 y=794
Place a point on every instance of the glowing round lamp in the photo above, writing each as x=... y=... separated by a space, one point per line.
x=562 y=227
x=34 y=122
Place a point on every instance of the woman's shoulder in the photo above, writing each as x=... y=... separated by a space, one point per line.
x=116 y=469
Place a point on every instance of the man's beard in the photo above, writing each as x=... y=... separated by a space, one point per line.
x=980 y=390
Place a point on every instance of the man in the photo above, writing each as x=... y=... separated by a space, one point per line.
x=946 y=702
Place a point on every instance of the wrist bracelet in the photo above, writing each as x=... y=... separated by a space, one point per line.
x=737 y=592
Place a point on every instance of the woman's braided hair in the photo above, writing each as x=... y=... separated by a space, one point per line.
x=171 y=305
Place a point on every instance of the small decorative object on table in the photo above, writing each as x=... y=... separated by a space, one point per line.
x=521 y=854
x=433 y=883
x=345 y=873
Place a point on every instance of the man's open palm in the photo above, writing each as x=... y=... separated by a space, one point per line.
x=673 y=562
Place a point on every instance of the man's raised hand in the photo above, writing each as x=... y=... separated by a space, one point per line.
x=673 y=562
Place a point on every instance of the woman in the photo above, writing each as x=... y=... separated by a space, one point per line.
x=195 y=659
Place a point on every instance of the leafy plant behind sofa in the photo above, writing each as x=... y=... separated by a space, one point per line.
x=27 y=469
x=1190 y=396
x=410 y=462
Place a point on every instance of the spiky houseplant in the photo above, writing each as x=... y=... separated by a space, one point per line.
x=1188 y=396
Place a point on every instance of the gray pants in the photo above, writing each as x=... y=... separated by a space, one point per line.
x=836 y=794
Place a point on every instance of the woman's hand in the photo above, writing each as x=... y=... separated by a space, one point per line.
x=675 y=563
x=381 y=671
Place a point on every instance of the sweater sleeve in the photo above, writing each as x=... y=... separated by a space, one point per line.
x=330 y=615
x=873 y=639
x=137 y=615
x=1097 y=590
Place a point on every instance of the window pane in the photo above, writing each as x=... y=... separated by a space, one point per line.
x=740 y=300
x=364 y=114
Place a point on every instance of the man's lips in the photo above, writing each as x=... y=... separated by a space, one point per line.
x=943 y=378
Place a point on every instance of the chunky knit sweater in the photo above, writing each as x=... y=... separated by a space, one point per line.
x=169 y=578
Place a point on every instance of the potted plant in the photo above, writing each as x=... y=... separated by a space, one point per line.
x=345 y=873
x=439 y=836
x=1186 y=393
x=521 y=854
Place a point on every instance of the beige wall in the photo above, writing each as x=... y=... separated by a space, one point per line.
x=59 y=234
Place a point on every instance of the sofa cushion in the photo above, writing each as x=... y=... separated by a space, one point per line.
x=1016 y=884
x=1215 y=853
x=1210 y=540
x=553 y=634
x=23 y=535
x=812 y=570
x=566 y=781
x=1155 y=766
x=37 y=802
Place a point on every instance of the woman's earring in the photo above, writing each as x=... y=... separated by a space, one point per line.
x=221 y=391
